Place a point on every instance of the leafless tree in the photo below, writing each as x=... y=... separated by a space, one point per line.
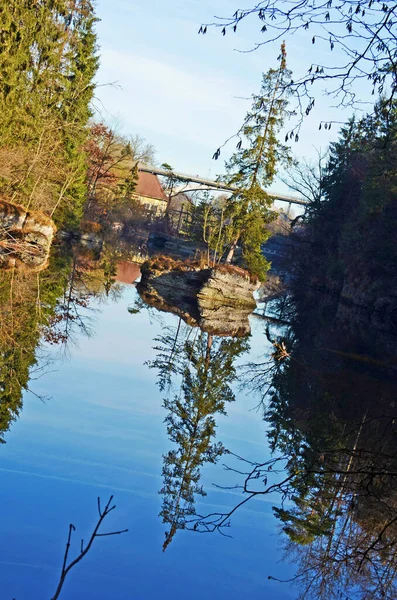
x=342 y=530
x=360 y=36
x=306 y=177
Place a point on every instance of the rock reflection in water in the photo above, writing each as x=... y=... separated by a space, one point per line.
x=217 y=300
x=331 y=416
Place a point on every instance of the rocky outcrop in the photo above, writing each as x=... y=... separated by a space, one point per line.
x=376 y=295
x=25 y=237
x=217 y=299
x=228 y=285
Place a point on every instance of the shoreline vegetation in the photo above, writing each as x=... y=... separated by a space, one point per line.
x=57 y=159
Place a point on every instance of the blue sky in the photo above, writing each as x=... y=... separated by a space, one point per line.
x=187 y=93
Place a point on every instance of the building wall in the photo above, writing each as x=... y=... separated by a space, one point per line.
x=153 y=204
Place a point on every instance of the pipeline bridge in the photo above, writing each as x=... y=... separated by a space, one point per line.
x=208 y=184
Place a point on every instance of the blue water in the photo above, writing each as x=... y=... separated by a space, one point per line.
x=101 y=432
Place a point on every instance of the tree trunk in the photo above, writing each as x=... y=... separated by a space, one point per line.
x=230 y=254
x=208 y=350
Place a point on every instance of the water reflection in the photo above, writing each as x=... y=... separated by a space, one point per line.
x=332 y=412
x=203 y=366
x=51 y=306
x=328 y=397
x=183 y=298
x=330 y=405
x=27 y=303
x=195 y=368
x=88 y=277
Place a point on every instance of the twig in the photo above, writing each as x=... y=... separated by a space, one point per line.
x=83 y=551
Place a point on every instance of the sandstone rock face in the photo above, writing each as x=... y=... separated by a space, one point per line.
x=228 y=285
x=12 y=216
x=217 y=299
x=378 y=297
x=25 y=237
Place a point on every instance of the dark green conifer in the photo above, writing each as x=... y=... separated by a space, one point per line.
x=253 y=167
x=47 y=64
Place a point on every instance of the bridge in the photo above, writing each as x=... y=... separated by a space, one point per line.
x=208 y=184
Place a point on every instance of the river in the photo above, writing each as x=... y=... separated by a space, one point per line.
x=94 y=422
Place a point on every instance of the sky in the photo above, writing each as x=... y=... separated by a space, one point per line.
x=187 y=93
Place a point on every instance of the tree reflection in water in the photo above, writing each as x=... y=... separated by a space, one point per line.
x=205 y=370
x=328 y=398
x=27 y=301
x=331 y=410
x=49 y=306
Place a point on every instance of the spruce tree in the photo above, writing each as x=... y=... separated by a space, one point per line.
x=82 y=64
x=253 y=167
x=47 y=64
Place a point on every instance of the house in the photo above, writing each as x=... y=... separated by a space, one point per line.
x=150 y=193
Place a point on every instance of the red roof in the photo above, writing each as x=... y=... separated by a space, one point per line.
x=148 y=185
x=127 y=272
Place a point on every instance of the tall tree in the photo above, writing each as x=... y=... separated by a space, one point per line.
x=47 y=64
x=253 y=167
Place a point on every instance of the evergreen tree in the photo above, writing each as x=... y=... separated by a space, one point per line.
x=81 y=66
x=47 y=64
x=252 y=168
x=351 y=231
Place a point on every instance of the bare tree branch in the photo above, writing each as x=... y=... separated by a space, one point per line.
x=83 y=551
x=360 y=37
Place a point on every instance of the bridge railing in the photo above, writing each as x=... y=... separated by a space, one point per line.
x=215 y=185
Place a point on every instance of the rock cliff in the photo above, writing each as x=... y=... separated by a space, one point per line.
x=217 y=299
x=25 y=237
